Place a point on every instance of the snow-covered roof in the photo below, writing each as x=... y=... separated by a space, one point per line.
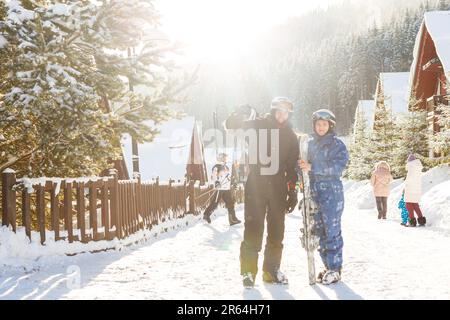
x=395 y=86
x=366 y=108
x=166 y=157
x=437 y=24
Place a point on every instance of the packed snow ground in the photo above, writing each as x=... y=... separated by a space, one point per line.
x=382 y=260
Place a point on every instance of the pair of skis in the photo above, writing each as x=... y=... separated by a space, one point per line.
x=309 y=239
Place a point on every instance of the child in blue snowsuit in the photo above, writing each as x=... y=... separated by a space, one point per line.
x=402 y=207
x=327 y=159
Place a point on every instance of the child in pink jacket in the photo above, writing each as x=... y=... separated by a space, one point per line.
x=381 y=180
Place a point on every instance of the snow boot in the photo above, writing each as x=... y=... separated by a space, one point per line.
x=422 y=221
x=248 y=280
x=233 y=220
x=413 y=222
x=331 y=277
x=207 y=217
x=275 y=277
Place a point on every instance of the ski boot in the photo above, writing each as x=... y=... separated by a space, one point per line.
x=413 y=222
x=276 y=277
x=233 y=220
x=207 y=217
x=248 y=280
x=422 y=221
x=331 y=277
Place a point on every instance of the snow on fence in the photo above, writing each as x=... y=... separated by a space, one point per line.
x=95 y=208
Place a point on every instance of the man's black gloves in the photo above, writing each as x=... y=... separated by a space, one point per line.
x=292 y=201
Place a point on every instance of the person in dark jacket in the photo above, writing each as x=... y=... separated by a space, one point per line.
x=327 y=159
x=221 y=177
x=269 y=193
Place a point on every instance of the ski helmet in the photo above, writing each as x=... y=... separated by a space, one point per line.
x=324 y=114
x=282 y=103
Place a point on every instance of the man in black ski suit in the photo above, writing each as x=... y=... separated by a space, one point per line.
x=267 y=195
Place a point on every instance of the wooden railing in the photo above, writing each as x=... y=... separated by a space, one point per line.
x=97 y=208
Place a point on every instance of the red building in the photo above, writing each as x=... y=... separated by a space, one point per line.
x=430 y=72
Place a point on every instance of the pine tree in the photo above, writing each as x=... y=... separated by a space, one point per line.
x=440 y=142
x=360 y=166
x=66 y=100
x=383 y=135
x=411 y=137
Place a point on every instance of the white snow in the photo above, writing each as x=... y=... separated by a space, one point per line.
x=395 y=86
x=366 y=108
x=438 y=24
x=28 y=183
x=382 y=260
x=3 y=41
x=60 y=9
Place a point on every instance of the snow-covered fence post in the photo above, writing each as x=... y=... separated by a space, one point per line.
x=9 y=198
x=138 y=201
x=68 y=219
x=115 y=215
x=191 y=197
x=185 y=197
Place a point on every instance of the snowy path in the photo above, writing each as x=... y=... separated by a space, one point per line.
x=382 y=261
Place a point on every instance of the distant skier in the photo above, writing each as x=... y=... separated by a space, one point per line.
x=221 y=176
x=381 y=182
x=267 y=195
x=327 y=159
x=413 y=190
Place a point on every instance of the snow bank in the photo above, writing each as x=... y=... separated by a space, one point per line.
x=16 y=250
x=435 y=201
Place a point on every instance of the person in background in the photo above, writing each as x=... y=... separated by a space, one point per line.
x=413 y=191
x=381 y=182
x=221 y=176
x=404 y=211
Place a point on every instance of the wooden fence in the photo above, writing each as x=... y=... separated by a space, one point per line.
x=98 y=208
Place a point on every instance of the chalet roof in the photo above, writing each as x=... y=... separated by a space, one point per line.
x=437 y=24
x=167 y=156
x=395 y=87
x=366 y=108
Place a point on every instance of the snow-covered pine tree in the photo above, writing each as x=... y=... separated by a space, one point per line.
x=411 y=136
x=440 y=142
x=360 y=166
x=382 y=138
x=67 y=69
